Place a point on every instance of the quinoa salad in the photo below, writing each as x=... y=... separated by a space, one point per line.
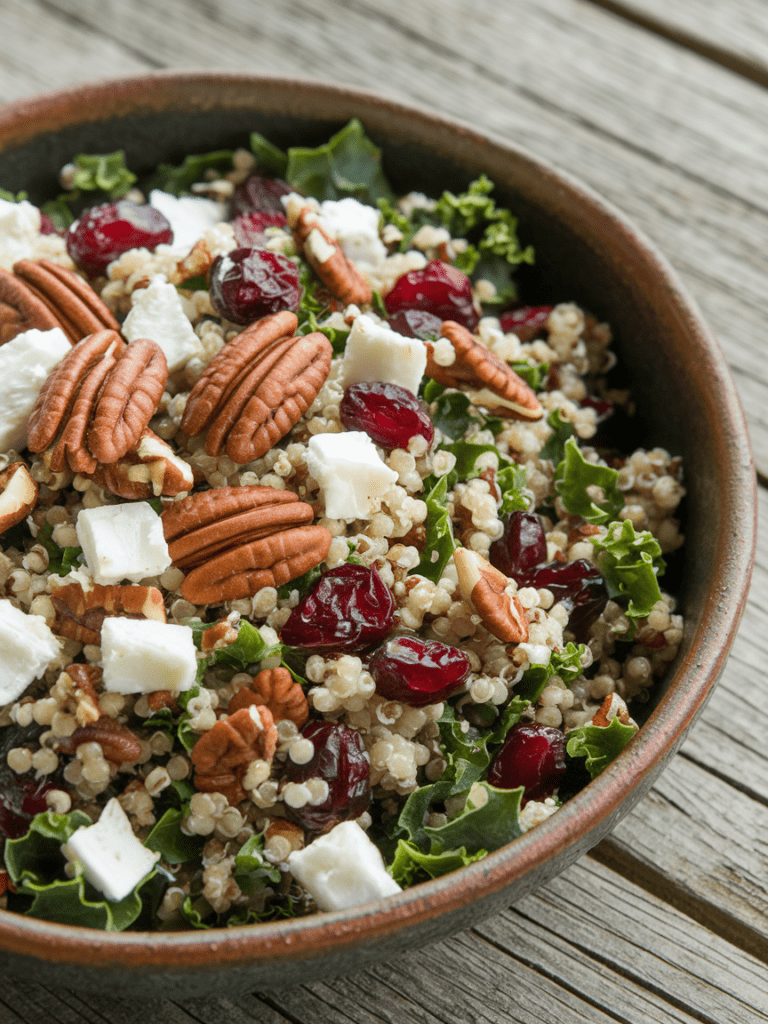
x=322 y=569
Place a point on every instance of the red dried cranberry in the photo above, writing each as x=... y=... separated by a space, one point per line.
x=526 y=322
x=247 y=284
x=259 y=193
x=532 y=756
x=349 y=608
x=439 y=289
x=418 y=672
x=250 y=228
x=21 y=798
x=604 y=407
x=389 y=414
x=416 y=323
x=522 y=545
x=105 y=232
x=579 y=586
x=340 y=758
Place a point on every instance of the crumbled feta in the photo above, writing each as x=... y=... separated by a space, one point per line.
x=122 y=542
x=157 y=313
x=25 y=363
x=19 y=231
x=351 y=473
x=189 y=216
x=375 y=352
x=342 y=869
x=355 y=227
x=114 y=860
x=538 y=654
x=27 y=647
x=143 y=655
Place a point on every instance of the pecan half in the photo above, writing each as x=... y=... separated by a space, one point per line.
x=236 y=540
x=20 y=309
x=150 y=468
x=324 y=254
x=257 y=387
x=76 y=307
x=276 y=689
x=80 y=613
x=483 y=586
x=118 y=744
x=223 y=754
x=18 y=495
x=491 y=382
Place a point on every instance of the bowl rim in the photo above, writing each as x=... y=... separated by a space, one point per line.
x=23 y=120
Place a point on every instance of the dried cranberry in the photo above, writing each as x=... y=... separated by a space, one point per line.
x=250 y=228
x=579 y=586
x=21 y=798
x=259 y=193
x=418 y=672
x=416 y=323
x=522 y=545
x=389 y=414
x=604 y=407
x=340 y=758
x=349 y=607
x=439 y=289
x=526 y=322
x=105 y=232
x=247 y=284
x=533 y=756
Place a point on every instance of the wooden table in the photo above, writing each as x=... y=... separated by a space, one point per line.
x=662 y=107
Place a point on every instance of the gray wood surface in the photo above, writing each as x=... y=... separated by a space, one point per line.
x=662 y=108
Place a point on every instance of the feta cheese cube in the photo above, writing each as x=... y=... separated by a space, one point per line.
x=27 y=647
x=25 y=363
x=342 y=869
x=157 y=313
x=19 y=231
x=355 y=227
x=374 y=352
x=122 y=542
x=189 y=217
x=114 y=860
x=143 y=655
x=351 y=473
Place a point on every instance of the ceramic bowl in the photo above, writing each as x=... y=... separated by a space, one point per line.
x=586 y=251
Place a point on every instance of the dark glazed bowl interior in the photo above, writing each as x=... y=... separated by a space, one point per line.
x=586 y=252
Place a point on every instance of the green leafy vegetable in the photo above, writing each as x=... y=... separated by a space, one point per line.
x=486 y=822
x=453 y=414
x=534 y=374
x=572 y=478
x=170 y=842
x=269 y=159
x=102 y=172
x=60 y=560
x=566 y=664
x=439 y=545
x=410 y=863
x=468 y=753
x=554 y=447
x=631 y=563
x=10 y=197
x=349 y=164
x=475 y=208
x=252 y=873
x=511 y=481
x=178 y=180
x=599 y=744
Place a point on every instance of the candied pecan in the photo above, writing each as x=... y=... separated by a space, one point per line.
x=75 y=306
x=118 y=744
x=222 y=755
x=80 y=613
x=485 y=587
x=18 y=495
x=276 y=689
x=324 y=254
x=149 y=469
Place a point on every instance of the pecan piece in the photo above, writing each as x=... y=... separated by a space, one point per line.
x=276 y=689
x=118 y=744
x=612 y=707
x=150 y=468
x=491 y=382
x=485 y=587
x=80 y=613
x=84 y=679
x=18 y=495
x=20 y=309
x=324 y=254
x=223 y=755
x=75 y=306
x=257 y=387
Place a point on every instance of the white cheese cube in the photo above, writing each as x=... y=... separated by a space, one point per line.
x=189 y=216
x=25 y=363
x=374 y=352
x=114 y=860
x=342 y=869
x=157 y=313
x=19 y=231
x=122 y=542
x=143 y=655
x=351 y=473
x=27 y=647
x=355 y=227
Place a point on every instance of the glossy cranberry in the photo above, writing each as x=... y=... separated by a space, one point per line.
x=604 y=407
x=21 y=798
x=418 y=672
x=349 y=608
x=532 y=756
x=247 y=284
x=105 y=232
x=389 y=414
x=250 y=228
x=259 y=193
x=526 y=322
x=416 y=323
x=340 y=758
x=439 y=289
x=522 y=545
x=578 y=586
